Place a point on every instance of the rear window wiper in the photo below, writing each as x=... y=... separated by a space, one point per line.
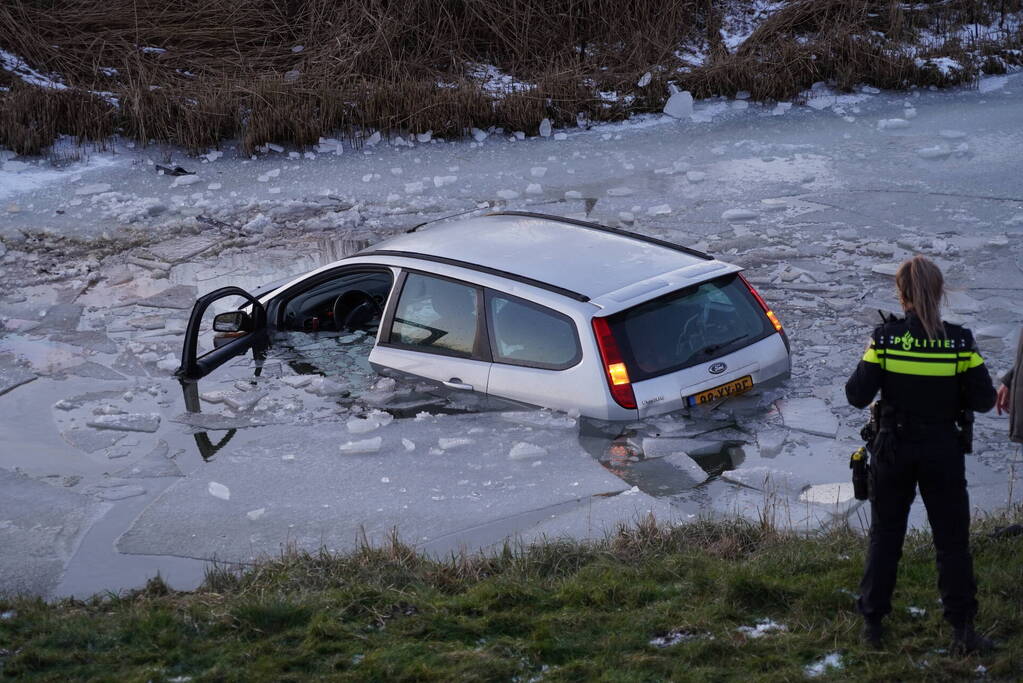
x=716 y=347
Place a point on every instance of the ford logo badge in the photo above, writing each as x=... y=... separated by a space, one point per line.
x=718 y=368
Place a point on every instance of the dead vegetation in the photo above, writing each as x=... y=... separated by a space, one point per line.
x=194 y=73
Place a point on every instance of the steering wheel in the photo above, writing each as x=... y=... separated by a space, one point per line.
x=354 y=309
x=692 y=338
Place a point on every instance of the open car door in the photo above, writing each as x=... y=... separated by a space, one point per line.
x=238 y=331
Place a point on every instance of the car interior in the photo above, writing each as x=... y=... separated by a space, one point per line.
x=349 y=302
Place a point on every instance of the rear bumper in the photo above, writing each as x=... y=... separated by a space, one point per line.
x=767 y=361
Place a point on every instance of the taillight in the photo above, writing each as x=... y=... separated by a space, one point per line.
x=763 y=304
x=614 y=366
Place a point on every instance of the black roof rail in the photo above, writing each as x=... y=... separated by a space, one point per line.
x=477 y=267
x=605 y=228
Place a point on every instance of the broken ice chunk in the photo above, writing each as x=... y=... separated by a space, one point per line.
x=679 y=105
x=178 y=296
x=524 y=450
x=737 y=215
x=185 y=180
x=934 y=152
x=888 y=269
x=95 y=188
x=892 y=124
x=644 y=80
x=11 y=374
x=255 y=514
x=828 y=494
x=810 y=415
x=771 y=441
x=766 y=479
x=94 y=371
x=243 y=401
x=364 y=446
x=60 y=318
x=447 y=443
x=128 y=422
x=89 y=440
x=408 y=444
x=114 y=492
x=218 y=490
x=358 y=425
x=545 y=128
x=322 y=386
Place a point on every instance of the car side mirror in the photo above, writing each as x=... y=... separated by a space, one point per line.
x=232 y=321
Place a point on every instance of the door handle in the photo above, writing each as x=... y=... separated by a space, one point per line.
x=456 y=383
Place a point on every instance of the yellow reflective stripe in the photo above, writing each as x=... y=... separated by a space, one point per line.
x=919 y=354
x=973 y=360
x=871 y=355
x=913 y=367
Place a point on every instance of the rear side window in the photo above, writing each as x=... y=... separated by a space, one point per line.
x=688 y=327
x=435 y=314
x=524 y=333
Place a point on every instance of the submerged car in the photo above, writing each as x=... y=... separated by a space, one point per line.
x=528 y=308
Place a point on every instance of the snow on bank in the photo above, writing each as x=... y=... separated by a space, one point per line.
x=20 y=68
x=25 y=177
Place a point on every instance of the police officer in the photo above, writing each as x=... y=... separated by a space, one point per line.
x=927 y=371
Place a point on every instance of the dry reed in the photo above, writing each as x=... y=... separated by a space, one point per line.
x=194 y=73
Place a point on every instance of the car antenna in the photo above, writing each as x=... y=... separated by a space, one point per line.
x=443 y=218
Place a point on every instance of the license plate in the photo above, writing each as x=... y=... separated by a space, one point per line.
x=733 y=388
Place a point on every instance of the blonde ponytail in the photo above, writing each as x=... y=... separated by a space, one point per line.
x=921 y=288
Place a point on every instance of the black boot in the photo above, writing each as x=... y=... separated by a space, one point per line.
x=966 y=640
x=872 y=633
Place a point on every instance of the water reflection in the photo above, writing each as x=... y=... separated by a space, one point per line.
x=662 y=465
x=207 y=448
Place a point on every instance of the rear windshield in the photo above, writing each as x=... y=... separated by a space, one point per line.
x=688 y=327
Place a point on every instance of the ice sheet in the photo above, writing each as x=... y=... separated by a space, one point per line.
x=40 y=528
x=320 y=497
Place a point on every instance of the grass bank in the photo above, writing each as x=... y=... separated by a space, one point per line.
x=556 y=612
x=193 y=72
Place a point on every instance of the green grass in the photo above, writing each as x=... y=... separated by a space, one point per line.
x=560 y=611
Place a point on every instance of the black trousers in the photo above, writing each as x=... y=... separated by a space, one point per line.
x=937 y=464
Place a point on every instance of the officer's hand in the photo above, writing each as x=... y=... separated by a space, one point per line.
x=1002 y=404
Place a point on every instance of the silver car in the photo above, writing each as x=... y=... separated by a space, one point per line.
x=527 y=308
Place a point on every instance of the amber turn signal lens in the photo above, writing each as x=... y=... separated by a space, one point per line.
x=619 y=375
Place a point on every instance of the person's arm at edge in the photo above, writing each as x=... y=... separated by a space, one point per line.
x=865 y=381
x=979 y=391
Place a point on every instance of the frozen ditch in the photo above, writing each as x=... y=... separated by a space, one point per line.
x=820 y=209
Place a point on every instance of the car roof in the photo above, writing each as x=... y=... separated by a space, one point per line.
x=573 y=255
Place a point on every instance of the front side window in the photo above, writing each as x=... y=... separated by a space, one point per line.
x=436 y=314
x=528 y=334
x=357 y=298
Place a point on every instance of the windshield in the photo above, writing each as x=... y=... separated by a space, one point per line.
x=688 y=327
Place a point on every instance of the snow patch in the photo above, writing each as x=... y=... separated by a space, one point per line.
x=762 y=628
x=830 y=661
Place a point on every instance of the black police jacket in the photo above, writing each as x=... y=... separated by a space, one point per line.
x=930 y=379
